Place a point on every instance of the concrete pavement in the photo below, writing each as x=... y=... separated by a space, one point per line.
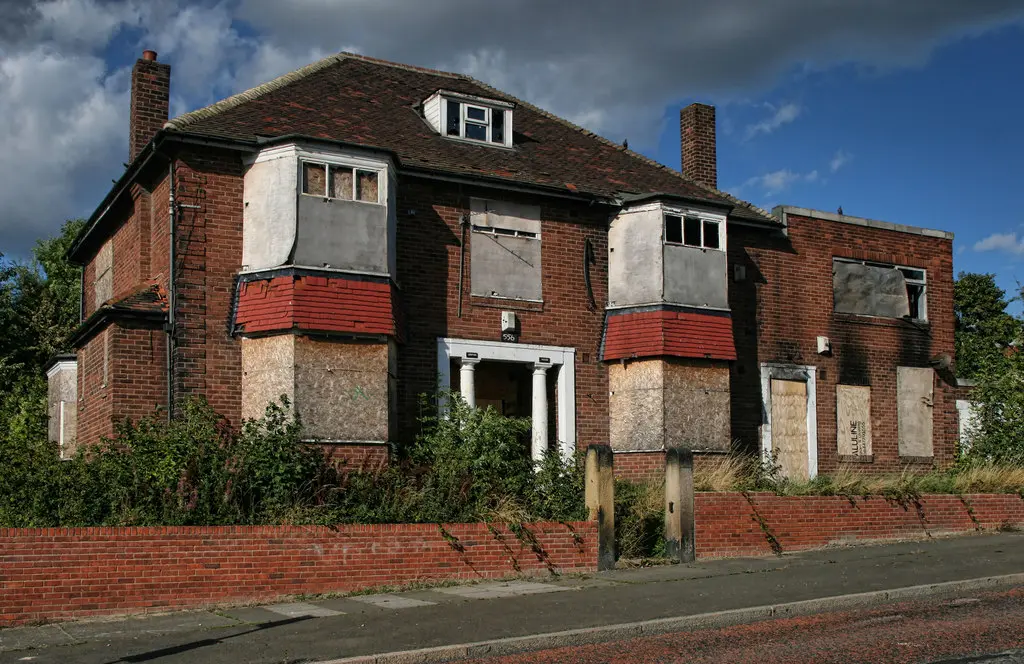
x=593 y=605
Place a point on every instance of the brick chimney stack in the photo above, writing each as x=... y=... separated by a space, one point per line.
x=151 y=89
x=697 y=136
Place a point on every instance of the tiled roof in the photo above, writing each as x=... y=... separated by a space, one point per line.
x=354 y=99
x=150 y=299
x=320 y=304
x=669 y=332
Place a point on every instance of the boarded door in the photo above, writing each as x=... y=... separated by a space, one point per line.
x=914 y=397
x=789 y=426
x=853 y=416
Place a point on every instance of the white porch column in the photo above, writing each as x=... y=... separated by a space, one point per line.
x=539 y=414
x=467 y=380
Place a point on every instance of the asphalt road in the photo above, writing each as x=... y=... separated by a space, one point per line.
x=982 y=629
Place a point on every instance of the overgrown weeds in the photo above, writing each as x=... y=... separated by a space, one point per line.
x=470 y=465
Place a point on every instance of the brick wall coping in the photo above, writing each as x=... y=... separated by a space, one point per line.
x=782 y=211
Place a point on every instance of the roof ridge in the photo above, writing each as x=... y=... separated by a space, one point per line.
x=258 y=91
x=636 y=155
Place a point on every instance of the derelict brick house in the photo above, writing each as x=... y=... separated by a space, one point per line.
x=357 y=232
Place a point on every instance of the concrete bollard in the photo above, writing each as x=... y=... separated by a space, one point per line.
x=680 y=539
x=600 y=498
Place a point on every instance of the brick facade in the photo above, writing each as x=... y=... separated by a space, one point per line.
x=786 y=301
x=68 y=573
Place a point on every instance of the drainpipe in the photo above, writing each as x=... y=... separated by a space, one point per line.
x=171 y=293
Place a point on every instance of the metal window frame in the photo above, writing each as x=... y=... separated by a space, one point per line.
x=331 y=166
x=692 y=214
x=923 y=282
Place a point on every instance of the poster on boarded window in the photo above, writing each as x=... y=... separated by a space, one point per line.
x=853 y=418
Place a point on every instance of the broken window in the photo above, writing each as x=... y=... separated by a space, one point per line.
x=692 y=231
x=879 y=289
x=506 y=250
x=340 y=182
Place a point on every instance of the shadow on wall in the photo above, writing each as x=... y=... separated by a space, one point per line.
x=424 y=248
x=746 y=282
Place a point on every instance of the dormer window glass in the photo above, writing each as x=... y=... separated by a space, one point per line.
x=470 y=118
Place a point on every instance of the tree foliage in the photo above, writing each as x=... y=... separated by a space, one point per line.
x=984 y=329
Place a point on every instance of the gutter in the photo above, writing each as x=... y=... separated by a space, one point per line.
x=101 y=318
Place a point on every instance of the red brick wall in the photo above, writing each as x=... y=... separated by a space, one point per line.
x=729 y=524
x=366 y=458
x=138 y=372
x=207 y=360
x=65 y=573
x=95 y=399
x=639 y=466
x=785 y=302
x=428 y=271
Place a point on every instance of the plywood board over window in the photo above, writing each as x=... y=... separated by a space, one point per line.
x=853 y=420
x=505 y=250
x=103 y=285
x=914 y=396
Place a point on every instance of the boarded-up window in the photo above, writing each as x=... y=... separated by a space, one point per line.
x=872 y=290
x=103 y=284
x=914 y=410
x=506 y=250
x=853 y=420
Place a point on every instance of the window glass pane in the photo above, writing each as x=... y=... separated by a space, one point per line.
x=477 y=132
x=915 y=293
x=454 y=118
x=691 y=231
x=367 y=186
x=498 y=126
x=916 y=275
x=474 y=113
x=341 y=183
x=711 y=234
x=314 y=179
x=673 y=228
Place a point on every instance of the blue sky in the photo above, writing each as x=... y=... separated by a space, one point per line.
x=908 y=112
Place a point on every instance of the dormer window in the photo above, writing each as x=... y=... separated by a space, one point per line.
x=470 y=118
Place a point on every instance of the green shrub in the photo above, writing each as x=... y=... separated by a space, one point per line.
x=469 y=465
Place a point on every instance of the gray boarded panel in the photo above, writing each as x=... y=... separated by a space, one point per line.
x=914 y=410
x=871 y=290
x=696 y=277
x=504 y=266
x=346 y=235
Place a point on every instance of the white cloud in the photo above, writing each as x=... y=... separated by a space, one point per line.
x=615 y=72
x=780 y=116
x=776 y=182
x=840 y=159
x=1007 y=242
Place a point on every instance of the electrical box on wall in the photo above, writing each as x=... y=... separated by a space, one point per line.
x=508 y=321
x=824 y=346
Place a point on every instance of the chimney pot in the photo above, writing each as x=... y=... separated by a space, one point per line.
x=149 y=55
x=698 y=145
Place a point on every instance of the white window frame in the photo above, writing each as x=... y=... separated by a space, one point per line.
x=923 y=283
x=489 y=111
x=702 y=217
x=355 y=169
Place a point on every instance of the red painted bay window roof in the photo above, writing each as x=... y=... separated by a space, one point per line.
x=674 y=333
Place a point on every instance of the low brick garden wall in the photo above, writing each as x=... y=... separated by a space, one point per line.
x=757 y=524
x=65 y=573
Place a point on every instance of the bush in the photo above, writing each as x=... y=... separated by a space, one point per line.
x=471 y=465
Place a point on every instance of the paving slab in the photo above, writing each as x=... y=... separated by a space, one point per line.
x=392 y=601
x=302 y=610
x=501 y=589
x=159 y=624
x=23 y=638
